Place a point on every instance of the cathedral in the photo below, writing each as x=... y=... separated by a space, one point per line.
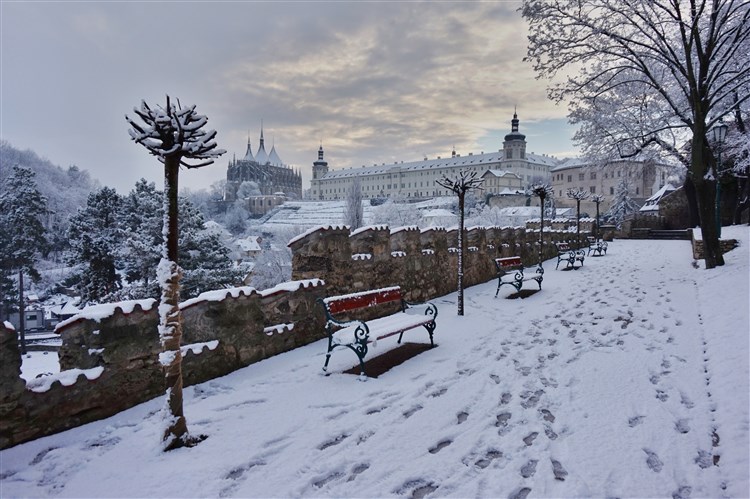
x=265 y=169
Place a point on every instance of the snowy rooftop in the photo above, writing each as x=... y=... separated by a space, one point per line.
x=617 y=391
x=485 y=159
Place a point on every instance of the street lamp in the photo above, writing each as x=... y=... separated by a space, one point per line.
x=719 y=132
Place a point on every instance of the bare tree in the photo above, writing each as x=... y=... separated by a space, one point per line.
x=463 y=182
x=579 y=195
x=354 y=212
x=175 y=135
x=649 y=76
x=544 y=192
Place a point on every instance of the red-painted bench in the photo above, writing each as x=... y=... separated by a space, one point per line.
x=355 y=334
x=510 y=271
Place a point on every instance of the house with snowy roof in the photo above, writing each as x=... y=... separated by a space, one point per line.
x=642 y=177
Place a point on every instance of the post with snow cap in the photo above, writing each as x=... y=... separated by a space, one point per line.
x=463 y=181
x=579 y=195
x=597 y=198
x=175 y=135
x=542 y=191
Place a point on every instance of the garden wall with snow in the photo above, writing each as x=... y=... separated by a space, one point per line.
x=109 y=359
x=423 y=262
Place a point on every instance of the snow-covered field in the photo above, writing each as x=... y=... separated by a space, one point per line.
x=626 y=378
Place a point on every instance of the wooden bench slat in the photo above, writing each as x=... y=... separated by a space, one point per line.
x=354 y=301
x=384 y=327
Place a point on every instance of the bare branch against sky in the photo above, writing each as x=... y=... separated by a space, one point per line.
x=376 y=82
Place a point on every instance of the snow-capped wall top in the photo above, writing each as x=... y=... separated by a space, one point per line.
x=316 y=229
x=219 y=295
x=404 y=228
x=105 y=310
x=427 y=229
x=368 y=227
x=361 y=293
x=293 y=286
x=8 y=326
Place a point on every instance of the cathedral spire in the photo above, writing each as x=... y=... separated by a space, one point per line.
x=514 y=121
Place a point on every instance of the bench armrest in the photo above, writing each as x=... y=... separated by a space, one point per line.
x=430 y=308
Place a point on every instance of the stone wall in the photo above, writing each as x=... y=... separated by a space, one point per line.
x=697 y=244
x=423 y=262
x=109 y=359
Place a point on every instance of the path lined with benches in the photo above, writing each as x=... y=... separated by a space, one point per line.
x=613 y=394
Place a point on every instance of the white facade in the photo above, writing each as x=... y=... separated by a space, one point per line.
x=417 y=179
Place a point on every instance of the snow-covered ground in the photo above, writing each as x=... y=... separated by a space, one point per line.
x=624 y=378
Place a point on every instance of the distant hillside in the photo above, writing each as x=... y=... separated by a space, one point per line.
x=66 y=189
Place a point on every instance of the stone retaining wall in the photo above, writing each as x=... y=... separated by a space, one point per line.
x=110 y=363
x=422 y=262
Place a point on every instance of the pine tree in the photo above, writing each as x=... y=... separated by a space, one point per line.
x=95 y=238
x=141 y=218
x=622 y=205
x=22 y=209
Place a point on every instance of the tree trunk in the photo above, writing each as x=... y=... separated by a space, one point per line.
x=461 y=196
x=705 y=191
x=692 y=202
x=170 y=318
x=21 y=313
x=743 y=199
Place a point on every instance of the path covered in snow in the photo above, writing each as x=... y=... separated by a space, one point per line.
x=625 y=378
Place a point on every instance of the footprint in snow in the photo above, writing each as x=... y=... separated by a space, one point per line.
x=360 y=468
x=635 y=421
x=520 y=493
x=440 y=445
x=682 y=426
x=488 y=458
x=462 y=416
x=682 y=493
x=653 y=461
x=528 y=469
x=547 y=415
x=505 y=398
x=410 y=412
x=558 y=470
x=331 y=443
x=328 y=478
x=419 y=488
x=529 y=439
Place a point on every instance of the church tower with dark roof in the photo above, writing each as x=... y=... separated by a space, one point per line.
x=320 y=167
x=514 y=145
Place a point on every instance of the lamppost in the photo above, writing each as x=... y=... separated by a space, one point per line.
x=719 y=132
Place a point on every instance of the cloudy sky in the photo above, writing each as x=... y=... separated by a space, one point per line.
x=376 y=82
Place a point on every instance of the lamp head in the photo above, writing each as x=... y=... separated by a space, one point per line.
x=719 y=132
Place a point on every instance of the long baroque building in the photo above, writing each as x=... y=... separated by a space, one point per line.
x=507 y=170
x=267 y=170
